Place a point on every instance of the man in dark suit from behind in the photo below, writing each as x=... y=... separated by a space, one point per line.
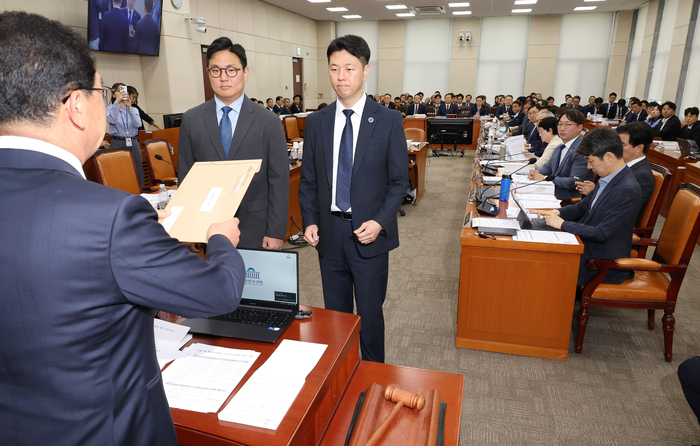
x=133 y=17
x=115 y=30
x=147 y=32
x=231 y=127
x=670 y=125
x=691 y=129
x=353 y=181
x=85 y=267
x=605 y=218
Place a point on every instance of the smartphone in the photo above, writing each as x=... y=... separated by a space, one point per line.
x=577 y=179
x=124 y=91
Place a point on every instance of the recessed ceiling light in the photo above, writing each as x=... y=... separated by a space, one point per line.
x=461 y=12
x=396 y=7
x=352 y=16
x=525 y=2
x=337 y=9
x=319 y=1
x=585 y=8
x=405 y=14
x=516 y=11
x=458 y=5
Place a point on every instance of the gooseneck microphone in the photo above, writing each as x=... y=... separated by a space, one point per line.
x=160 y=158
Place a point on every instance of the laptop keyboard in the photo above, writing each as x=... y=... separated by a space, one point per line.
x=254 y=316
x=540 y=224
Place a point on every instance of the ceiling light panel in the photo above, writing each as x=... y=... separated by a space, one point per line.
x=585 y=8
x=396 y=7
x=521 y=11
x=458 y=5
x=352 y=16
x=337 y=9
x=461 y=12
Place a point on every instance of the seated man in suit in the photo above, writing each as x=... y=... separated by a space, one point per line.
x=691 y=129
x=417 y=108
x=605 y=218
x=468 y=101
x=569 y=102
x=459 y=100
x=566 y=163
x=286 y=110
x=670 y=125
x=636 y=113
x=590 y=107
x=577 y=103
x=518 y=115
x=610 y=107
x=147 y=32
x=447 y=107
x=296 y=105
x=506 y=108
x=277 y=108
x=480 y=109
x=90 y=265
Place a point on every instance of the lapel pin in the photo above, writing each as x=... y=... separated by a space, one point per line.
x=371 y=120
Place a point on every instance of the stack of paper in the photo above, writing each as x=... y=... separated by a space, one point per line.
x=169 y=340
x=560 y=238
x=266 y=397
x=539 y=201
x=202 y=381
x=516 y=148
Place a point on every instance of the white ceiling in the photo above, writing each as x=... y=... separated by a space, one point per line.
x=376 y=9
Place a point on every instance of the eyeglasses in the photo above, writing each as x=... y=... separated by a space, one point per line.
x=230 y=71
x=106 y=94
x=567 y=124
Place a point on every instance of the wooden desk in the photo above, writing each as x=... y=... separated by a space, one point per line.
x=516 y=297
x=315 y=405
x=415 y=123
x=294 y=217
x=449 y=385
x=676 y=164
x=417 y=172
x=692 y=173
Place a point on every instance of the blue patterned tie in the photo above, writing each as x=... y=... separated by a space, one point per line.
x=225 y=131
x=557 y=158
x=344 y=175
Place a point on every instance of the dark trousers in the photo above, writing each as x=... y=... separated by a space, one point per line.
x=689 y=376
x=342 y=269
x=136 y=150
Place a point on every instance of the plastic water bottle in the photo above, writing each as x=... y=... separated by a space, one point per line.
x=505 y=187
x=162 y=197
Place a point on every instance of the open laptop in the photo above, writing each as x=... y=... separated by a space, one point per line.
x=527 y=222
x=269 y=302
x=688 y=148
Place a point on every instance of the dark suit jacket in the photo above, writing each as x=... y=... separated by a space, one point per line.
x=258 y=135
x=147 y=36
x=379 y=175
x=631 y=117
x=483 y=110
x=392 y=105
x=295 y=109
x=645 y=178
x=671 y=129
x=532 y=137
x=517 y=119
x=503 y=109
x=574 y=165
x=606 y=230
x=90 y=267
x=285 y=110
x=692 y=133
x=277 y=109
x=412 y=109
x=115 y=32
x=613 y=111
x=445 y=110
x=135 y=18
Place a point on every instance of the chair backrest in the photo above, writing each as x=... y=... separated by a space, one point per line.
x=417 y=135
x=291 y=128
x=682 y=226
x=116 y=168
x=157 y=169
x=650 y=213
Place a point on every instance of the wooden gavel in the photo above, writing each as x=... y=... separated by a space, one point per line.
x=401 y=398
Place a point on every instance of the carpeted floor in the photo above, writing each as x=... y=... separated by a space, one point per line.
x=619 y=391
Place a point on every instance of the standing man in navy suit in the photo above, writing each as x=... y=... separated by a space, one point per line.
x=84 y=267
x=133 y=17
x=605 y=218
x=147 y=32
x=115 y=30
x=353 y=181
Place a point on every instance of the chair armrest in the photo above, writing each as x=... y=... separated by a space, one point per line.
x=643 y=231
x=169 y=180
x=635 y=239
x=642 y=264
x=631 y=264
x=644 y=241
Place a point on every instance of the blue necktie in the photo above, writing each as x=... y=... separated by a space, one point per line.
x=344 y=175
x=225 y=131
x=557 y=158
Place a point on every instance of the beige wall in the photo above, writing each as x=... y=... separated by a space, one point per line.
x=646 y=48
x=675 y=57
x=392 y=42
x=325 y=33
x=542 y=50
x=463 y=57
x=618 y=50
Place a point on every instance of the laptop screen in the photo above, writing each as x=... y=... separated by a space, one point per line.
x=271 y=277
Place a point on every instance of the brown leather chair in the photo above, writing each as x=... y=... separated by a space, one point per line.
x=417 y=135
x=116 y=168
x=656 y=282
x=158 y=170
x=647 y=219
x=291 y=129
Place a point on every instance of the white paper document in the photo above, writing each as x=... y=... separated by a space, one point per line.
x=540 y=204
x=560 y=238
x=537 y=197
x=495 y=223
x=169 y=340
x=265 y=398
x=516 y=147
x=202 y=382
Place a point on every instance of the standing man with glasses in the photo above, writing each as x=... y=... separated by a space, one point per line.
x=231 y=127
x=353 y=181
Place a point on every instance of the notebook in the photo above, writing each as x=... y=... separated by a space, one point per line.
x=270 y=299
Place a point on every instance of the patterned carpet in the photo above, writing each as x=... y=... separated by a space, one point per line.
x=619 y=391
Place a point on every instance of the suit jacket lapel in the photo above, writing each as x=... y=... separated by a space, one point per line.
x=211 y=124
x=245 y=121
x=370 y=116
x=327 y=131
x=605 y=193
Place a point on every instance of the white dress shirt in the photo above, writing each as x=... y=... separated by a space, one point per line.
x=340 y=120
x=36 y=145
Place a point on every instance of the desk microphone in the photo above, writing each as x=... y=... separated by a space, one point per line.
x=490 y=171
x=547 y=178
x=482 y=190
x=160 y=158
